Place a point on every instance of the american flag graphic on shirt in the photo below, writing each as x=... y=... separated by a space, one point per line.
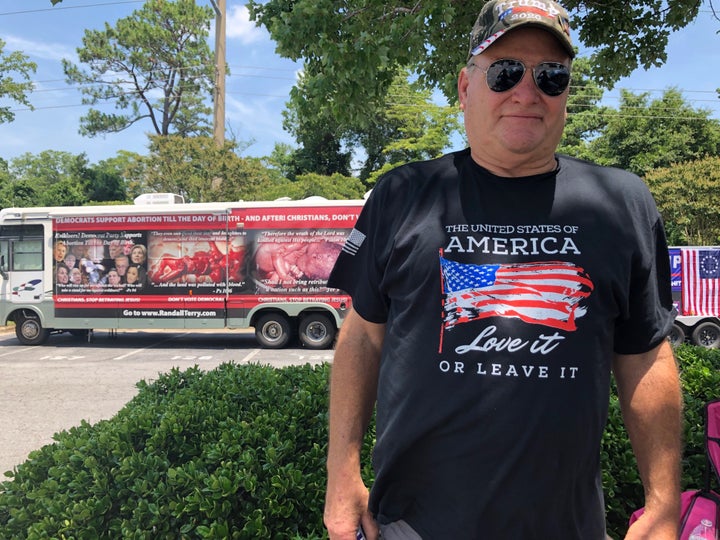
x=544 y=293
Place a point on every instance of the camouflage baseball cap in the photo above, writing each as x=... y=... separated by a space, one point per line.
x=500 y=16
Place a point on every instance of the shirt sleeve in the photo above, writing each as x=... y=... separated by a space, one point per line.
x=360 y=268
x=650 y=313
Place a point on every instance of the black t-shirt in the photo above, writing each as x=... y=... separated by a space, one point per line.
x=504 y=300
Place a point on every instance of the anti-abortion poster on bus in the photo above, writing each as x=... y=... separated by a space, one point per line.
x=192 y=261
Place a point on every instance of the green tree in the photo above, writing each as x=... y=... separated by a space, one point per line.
x=15 y=84
x=405 y=126
x=318 y=134
x=125 y=165
x=643 y=135
x=106 y=182
x=409 y=127
x=154 y=66
x=281 y=159
x=688 y=196
x=199 y=170
x=50 y=178
x=19 y=194
x=353 y=49
x=335 y=186
x=586 y=118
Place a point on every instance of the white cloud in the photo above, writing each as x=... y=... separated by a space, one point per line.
x=39 y=49
x=239 y=26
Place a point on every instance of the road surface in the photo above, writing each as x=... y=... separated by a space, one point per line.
x=53 y=387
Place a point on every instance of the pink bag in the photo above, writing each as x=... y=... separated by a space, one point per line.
x=700 y=508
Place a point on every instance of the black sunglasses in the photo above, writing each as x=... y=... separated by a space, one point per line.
x=552 y=78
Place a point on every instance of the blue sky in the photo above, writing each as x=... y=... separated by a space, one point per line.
x=260 y=81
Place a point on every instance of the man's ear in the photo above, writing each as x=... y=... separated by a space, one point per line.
x=462 y=85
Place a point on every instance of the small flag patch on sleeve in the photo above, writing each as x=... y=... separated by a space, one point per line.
x=353 y=242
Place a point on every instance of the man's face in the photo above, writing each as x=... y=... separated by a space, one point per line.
x=113 y=278
x=121 y=264
x=515 y=130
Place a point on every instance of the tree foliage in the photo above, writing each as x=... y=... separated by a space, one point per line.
x=15 y=83
x=106 y=182
x=410 y=127
x=154 y=66
x=586 y=118
x=688 y=196
x=335 y=186
x=50 y=178
x=643 y=135
x=353 y=49
x=407 y=125
x=199 y=170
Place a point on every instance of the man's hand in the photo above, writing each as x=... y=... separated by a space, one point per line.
x=346 y=508
x=647 y=528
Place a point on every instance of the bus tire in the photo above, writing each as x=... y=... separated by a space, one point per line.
x=272 y=330
x=316 y=331
x=707 y=334
x=677 y=335
x=29 y=331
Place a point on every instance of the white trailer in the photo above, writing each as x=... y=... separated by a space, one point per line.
x=696 y=286
x=174 y=265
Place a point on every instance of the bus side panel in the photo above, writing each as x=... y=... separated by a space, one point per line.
x=180 y=268
x=289 y=253
x=166 y=270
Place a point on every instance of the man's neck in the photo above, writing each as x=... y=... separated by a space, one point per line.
x=517 y=169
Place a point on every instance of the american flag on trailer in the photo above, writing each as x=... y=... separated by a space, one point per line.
x=545 y=293
x=700 y=281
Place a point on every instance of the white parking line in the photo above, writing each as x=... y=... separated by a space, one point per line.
x=249 y=357
x=18 y=352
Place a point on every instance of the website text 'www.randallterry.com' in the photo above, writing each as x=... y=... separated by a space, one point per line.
x=168 y=313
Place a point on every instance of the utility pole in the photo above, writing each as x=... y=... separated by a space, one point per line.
x=220 y=61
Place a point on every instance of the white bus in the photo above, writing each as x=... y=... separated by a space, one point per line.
x=164 y=264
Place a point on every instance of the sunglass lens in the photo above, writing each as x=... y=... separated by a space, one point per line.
x=552 y=78
x=504 y=74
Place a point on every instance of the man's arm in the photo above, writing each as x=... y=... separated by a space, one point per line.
x=353 y=391
x=651 y=403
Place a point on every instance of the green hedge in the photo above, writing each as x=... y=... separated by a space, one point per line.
x=239 y=452
x=700 y=374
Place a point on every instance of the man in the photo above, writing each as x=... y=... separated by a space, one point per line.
x=113 y=281
x=121 y=265
x=494 y=291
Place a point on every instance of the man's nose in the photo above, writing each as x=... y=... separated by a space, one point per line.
x=526 y=89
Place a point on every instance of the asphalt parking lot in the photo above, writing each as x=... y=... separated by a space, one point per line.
x=53 y=387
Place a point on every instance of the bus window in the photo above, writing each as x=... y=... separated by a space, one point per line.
x=27 y=255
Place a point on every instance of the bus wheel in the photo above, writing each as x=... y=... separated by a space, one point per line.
x=677 y=335
x=707 y=334
x=272 y=330
x=317 y=331
x=29 y=331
